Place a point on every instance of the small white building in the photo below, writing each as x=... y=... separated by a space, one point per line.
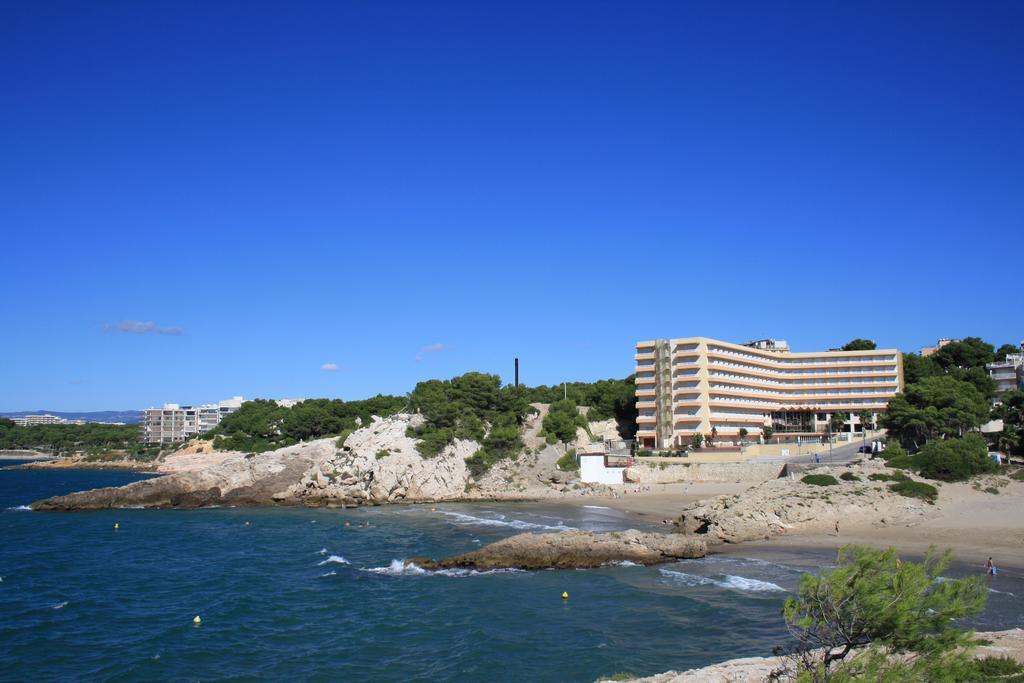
x=601 y=468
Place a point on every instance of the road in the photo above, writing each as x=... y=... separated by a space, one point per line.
x=841 y=455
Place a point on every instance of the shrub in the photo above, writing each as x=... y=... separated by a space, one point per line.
x=697 y=441
x=820 y=480
x=568 y=461
x=383 y=453
x=870 y=601
x=955 y=459
x=988 y=669
x=849 y=476
x=644 y=453
x=434 y=441
x=915 y=489
x=482 y=461
x=562 y=420
x=992 y=489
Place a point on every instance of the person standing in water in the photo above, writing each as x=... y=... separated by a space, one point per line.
x=990 y=567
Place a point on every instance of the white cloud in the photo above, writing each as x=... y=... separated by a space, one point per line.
x=139 y=327
x=429 y=348
x=329 y=367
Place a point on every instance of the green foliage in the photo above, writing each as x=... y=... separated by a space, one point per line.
x=92 y=437
x=263 y=425
x=697 y=441
x=767 y=432
x=607 y=398
x=969 y=352
x=1011 y=411
x=916 y=368
x=562 y=420
x=884 y=476
x=568 y=462
x=871 y=600
x=1005 y=350
x=988 y=669
x=849 y=476
x=955 y=459
x=859 y=345
x=383 y=453
x=915 y=489
x=935 y=407
x=838 y=420
x=896 y=457
x=819 y=480
x=480 y=462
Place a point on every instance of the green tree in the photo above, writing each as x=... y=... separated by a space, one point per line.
x=562 y=420
x=969 y=352
x=934 y=407
x=872 y=601
x=837 y=421
x=954 y=459
x=866 y=418
x=916 y=368
x=697 y=440
x=860 y=345
x=1005 y=350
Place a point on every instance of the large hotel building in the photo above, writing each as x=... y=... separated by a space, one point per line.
x=693 y=385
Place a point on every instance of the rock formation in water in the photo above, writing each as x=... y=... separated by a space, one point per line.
x=573 y=550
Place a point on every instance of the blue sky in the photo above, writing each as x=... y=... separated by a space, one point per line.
x=206 y=199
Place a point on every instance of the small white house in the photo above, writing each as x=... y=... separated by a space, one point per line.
x=600 y=468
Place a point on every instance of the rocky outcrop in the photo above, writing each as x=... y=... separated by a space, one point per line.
x=787 y=505
x=573 y=550
x=377 y=464
x=260 y=479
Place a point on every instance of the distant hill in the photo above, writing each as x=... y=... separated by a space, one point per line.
x=126 y=416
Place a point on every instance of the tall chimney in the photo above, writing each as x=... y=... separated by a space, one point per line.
x=517 y=372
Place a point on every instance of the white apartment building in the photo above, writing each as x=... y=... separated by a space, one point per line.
x=174 y=423
x=1009 y=373
x=697 y=385
x=32 y=420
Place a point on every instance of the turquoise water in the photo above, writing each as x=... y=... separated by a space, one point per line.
x=294 y=594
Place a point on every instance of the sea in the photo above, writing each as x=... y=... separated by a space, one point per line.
x=323 y=595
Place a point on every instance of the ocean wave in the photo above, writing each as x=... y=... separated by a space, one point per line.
x=20 y=508
x=322 y=551
x=60 y=605
x=597 y=507
x=622 y=563
x=741 y=583
x=502 y=521
x=993 y=590
x=397 y=568
x=333 y=559
x=403 y=568
x=330 y=573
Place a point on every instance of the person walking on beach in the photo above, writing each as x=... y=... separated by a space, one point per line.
x=837 y=527
x=990 y=567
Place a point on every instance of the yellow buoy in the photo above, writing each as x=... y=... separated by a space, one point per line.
x=565 y=595
x=116 y=525
x=196 y=620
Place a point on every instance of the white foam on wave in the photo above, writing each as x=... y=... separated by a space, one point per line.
x=461 y=518
x=330 y=573
x=403 y=568
x=20 y=508
x=397 y=568
x=60 y=605
x=622 y=563
x=597 y=507
x=322 y=551
x=333 y=559
x=731 y=581
x=993 y=590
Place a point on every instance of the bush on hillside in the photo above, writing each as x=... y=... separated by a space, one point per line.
x=562 y=420
x=820 y=480
x=568 y=462
x=915 y=489
x=955 y=459
x=849 y=476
